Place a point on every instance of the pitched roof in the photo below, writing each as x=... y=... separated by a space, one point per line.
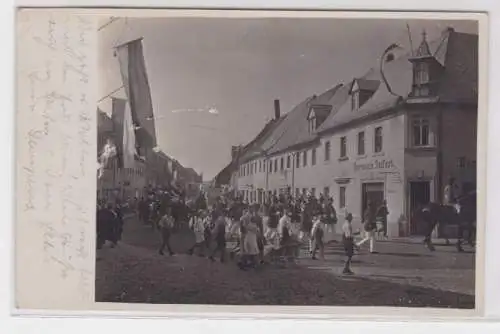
x=294 y=129
x=366 y=84
x=254 y=147
x=460 y=78
x=457 y=52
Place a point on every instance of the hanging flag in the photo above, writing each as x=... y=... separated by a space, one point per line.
x=129 y=152
x=117 y=117
x=135 y=80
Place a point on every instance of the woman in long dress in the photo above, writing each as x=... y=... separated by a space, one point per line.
x=250 y=246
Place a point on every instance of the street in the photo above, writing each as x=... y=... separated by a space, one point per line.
x=403 y=273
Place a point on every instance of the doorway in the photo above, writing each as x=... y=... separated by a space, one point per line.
x=371 y=192
x=420 y=195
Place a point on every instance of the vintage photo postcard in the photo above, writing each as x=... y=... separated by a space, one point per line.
x=303 y=163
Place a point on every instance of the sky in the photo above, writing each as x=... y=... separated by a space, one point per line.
x=239 y=67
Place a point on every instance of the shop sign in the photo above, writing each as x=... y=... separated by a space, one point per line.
x=374 y=165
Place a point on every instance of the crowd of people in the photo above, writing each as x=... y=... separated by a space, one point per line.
x=275 y=230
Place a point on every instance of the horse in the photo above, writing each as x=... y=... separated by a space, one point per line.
x=463 y=214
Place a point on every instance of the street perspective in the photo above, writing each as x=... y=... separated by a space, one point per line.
x=301 y=161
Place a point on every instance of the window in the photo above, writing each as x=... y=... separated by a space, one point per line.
x=461 y=161
x=361 y=143
x=282 y=164
x=276 y=165
x=288 y=160
x=297 y=192
x=260 y=165
x=421 y=73
x=355 y=100
x=326 y=191
x=421 y=91
x=343 y=147
x=312 y=121
x=313 y=157
x=297 y=160
x=312 y=124
x=420 y=132
x=313 y=192
x=304 y=160
x=342 y=197
x=270 y=167
x=304 y=191
x=378 y=139
x=327 y=151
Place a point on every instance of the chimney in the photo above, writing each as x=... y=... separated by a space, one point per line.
x=277 y=113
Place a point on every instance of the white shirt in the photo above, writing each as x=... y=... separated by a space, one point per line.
x=317 y=224
x=284 y=222
x=347 y=229
x=198 y=228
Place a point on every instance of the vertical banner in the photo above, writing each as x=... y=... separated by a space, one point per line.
x=124 y=133
x=129 y=141
x=135 y=80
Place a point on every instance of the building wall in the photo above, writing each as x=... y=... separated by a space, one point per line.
x=459 y=144
x=385 y=168
x=396 y=167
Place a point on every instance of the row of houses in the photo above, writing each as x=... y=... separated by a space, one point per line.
x=157 y=169
x=397 y=134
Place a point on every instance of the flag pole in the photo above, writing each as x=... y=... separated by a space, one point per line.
x=128 y=42
x=409 y=37
x=114 y=91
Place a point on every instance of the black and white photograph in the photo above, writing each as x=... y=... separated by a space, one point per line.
x=295 y=161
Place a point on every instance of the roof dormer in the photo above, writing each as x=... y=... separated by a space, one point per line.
x=317 y=115
x=426 y=71
x=361 y=91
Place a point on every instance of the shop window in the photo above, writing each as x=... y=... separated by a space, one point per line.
x=343 y=147
x=420 y=132
x=313 y=157
x=378 y=140
x=361 y=143
x=342 y=199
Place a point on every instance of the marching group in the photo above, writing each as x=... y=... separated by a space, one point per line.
x=275 y=230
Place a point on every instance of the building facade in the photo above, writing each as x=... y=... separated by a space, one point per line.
x=396 y=134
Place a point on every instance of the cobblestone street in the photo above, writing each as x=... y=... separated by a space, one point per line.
x=402 y=273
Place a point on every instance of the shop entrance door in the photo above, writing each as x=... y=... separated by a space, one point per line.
x=372 y=192
x=420 y=195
